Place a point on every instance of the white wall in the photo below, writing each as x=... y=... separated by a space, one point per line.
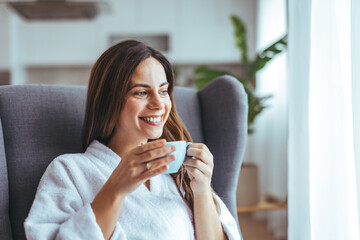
x=200 y=31
x=4 y=39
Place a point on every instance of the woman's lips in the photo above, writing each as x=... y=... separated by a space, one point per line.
x=152 y=120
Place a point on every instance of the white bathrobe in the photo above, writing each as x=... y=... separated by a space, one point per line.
x=61 y=209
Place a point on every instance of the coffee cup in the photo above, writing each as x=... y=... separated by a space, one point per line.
x=180 y=155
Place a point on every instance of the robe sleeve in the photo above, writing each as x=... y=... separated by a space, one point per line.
x=228 y=222
x=59 y=212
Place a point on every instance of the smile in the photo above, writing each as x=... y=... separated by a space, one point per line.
x=152 y=120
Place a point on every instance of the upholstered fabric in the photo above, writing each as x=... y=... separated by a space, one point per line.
x=188 y=107
x=41 y=122
x=224 y=109
x=5 y=230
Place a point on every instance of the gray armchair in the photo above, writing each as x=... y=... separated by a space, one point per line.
x=40 y=122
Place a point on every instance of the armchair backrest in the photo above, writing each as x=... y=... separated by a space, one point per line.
x=5 y=229
x=40 y=122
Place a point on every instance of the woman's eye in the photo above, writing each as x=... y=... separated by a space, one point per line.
x=164 y=92
x=141 y=94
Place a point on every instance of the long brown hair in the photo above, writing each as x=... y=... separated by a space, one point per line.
x=109 y=83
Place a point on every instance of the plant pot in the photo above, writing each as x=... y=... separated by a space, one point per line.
x=248 y=185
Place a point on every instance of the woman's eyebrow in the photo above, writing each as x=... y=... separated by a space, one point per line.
x=147 y=86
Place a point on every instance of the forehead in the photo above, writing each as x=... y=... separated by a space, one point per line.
x=149 y=71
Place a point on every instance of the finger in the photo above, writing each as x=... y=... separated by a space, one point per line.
x=156 y=153
x=149 y=146
x=195 y=173
x=198 y=164
x=160 y=162
x=153 y=172
x=202 y=153
x=189 y=173
x=200 y=146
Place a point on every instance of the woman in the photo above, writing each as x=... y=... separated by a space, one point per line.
x=115 y=190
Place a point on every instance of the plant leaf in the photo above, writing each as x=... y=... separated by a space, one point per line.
x=266 y=55
x=204 y=75
x=240 y=37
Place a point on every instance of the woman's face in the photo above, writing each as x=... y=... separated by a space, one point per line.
x=147 y=104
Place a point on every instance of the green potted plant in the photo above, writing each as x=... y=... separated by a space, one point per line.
x=204 y=74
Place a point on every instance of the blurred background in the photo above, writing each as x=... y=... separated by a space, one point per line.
x=40 y=43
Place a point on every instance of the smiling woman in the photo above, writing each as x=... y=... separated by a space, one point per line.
x=118 y=188
x=147 y=105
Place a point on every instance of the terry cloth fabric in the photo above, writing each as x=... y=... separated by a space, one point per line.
x=62 y=210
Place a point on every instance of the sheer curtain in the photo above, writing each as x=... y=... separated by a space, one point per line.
x=324 y=108
x=267 y=145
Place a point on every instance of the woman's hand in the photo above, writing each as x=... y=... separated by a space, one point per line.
x=199 y=167
x=133 y=170
x=127 y=176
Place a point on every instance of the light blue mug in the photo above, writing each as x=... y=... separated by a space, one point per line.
x=180 y=155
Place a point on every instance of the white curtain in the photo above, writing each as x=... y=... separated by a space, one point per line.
x=324 y=108
x=267 y=145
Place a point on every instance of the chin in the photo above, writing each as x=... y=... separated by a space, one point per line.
x=155 y=135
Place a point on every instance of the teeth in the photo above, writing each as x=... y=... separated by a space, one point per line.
x=151 y=119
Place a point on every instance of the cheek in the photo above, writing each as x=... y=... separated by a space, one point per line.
x=169 y=105
x=168 y=108
x=131 y=109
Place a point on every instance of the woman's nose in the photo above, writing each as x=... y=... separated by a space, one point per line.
x=156 y=102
